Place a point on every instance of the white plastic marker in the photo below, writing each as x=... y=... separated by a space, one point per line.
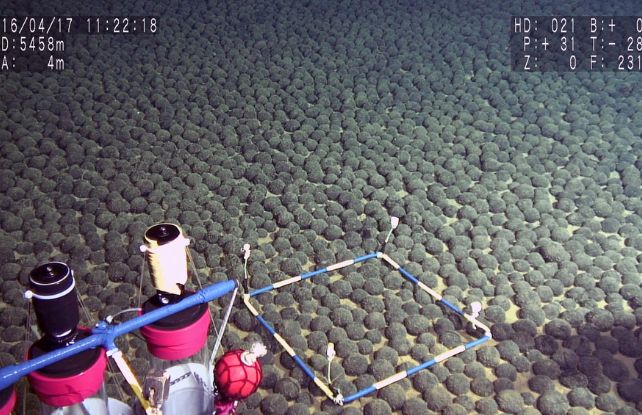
x=246 y=256
x=394 y=222
x=256 y=350
x=475 y=309
x=331 y=353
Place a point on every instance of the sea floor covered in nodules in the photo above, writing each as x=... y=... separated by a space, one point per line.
x=300 y=127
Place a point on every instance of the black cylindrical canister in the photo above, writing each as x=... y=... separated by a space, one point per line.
x=55 y=301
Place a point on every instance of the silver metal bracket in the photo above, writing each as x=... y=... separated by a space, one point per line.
x=156 y=387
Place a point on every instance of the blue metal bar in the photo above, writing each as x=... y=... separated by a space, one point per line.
x=305 y=367
x=12 y=373
x=422 y=366
x=365 y=257
x=373 y=388
x=266 y=325
x=411 y=371
x=408 y=275
x=451 y=306
x=104 y=334
x=476 y=342
x=261 y=290
x=310 y=274
x=313 y=273
x=360 y=394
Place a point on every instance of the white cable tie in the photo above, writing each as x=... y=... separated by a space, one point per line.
x=258 y=349
x=475 y=309
x=53 y=296
x=394 y=222
x=331 y=353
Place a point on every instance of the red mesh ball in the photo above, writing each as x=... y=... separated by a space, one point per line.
x=234 y=379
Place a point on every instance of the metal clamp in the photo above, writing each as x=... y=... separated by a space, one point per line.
x=156 y=387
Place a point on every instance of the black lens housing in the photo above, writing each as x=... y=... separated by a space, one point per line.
x=55 y=301
x=163 y=233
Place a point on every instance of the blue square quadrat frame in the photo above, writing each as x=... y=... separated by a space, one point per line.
x=325 y=387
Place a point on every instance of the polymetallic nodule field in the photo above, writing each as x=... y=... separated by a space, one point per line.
x=300 y=128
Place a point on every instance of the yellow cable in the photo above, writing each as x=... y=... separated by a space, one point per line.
x=130 y=377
